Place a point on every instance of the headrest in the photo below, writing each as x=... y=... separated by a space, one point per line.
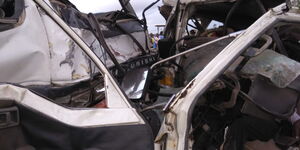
x=281 y=70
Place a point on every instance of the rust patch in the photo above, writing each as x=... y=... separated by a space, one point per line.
x=183 y=94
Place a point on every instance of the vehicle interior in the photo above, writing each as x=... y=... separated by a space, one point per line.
x=241 y=90
x=50 y=87
x=199 y=18
x=263 y=82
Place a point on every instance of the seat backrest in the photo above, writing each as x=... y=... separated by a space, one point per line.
x=259 y=145
x=280 y=102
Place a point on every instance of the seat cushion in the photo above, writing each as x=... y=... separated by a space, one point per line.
x=259 y=145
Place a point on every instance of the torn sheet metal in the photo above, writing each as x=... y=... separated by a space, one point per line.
x=280 y=69
x=124 y=48
x=120 y=44
x=111 y=30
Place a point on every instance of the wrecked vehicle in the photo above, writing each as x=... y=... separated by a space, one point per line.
x=184 y=17
x=56 y=90
x=256 y=74
x=90 y=81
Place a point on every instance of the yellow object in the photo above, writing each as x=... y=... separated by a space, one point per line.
x=168 y=79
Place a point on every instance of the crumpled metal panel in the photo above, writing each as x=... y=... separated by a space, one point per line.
x=68 y=63
x=124 y=48
x=280 y=69
x=24 y=54
x=39 y=52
